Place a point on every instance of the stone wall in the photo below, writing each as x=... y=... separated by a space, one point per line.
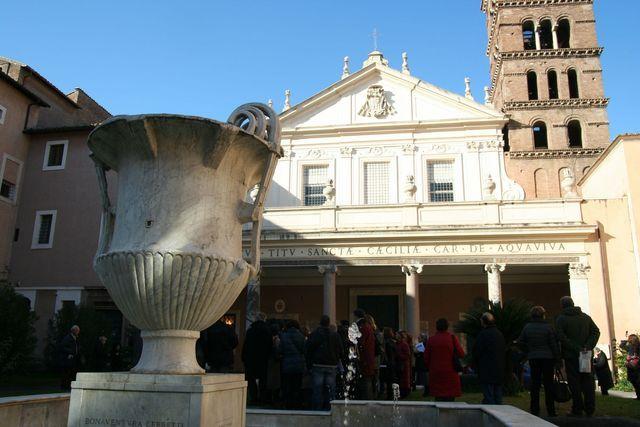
x=45 y=410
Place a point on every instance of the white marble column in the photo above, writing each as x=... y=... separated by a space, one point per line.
x=329 y=290
x=253 y=301
x=412 y=298
x=579 y=285
x=494 y=282
x=536 y=30
x=555 y=36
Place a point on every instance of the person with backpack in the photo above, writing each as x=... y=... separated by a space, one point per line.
x=577 y=333
x=539 y=341
x=489 y=354
x=324 y=351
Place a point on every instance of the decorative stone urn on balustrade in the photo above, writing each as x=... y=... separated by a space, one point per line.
x=170 y=255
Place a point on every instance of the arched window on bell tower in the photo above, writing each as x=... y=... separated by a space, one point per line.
x=546 y=34
x=574 y=90
x=574 y=132
x=552 y=79
x=532 y=85
x=529 y=35
x=540 y=140
x=563 y=33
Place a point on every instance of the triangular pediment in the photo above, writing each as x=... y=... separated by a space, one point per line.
x=378 y=94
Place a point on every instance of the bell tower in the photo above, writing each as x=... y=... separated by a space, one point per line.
x=546 y=76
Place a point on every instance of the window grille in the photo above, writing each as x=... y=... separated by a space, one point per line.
x=8 y=190
x=315 y=179
x=9 y=179
x=440 y=176
x=376 y=183
x=44 y=234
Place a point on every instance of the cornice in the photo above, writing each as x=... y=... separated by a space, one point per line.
x=556 y=103
x=386 y=127
x=570 y=152
x=552 y=53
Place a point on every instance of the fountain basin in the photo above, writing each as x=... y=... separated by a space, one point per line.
x=405 y=414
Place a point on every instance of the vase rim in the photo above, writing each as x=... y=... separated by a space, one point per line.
x=133 y=119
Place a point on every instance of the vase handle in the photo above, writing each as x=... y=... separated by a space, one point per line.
x=263 y=122
x=108 y=215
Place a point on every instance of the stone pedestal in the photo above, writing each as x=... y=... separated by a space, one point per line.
x=141 y=400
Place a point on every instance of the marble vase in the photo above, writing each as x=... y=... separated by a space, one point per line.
x=170 y=254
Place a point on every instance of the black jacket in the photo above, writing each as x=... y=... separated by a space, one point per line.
x=539 y=340
x=256 y=350
x=576 y=331
x=489 y=353
x=70 y=351
x=221 y=341
x=324 y=347
x=292 y=351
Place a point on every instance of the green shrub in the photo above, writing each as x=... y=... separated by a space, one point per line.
x=92 y=325
x=510 y=320
x=17 y=334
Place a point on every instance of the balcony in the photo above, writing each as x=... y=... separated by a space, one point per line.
x=494 y=214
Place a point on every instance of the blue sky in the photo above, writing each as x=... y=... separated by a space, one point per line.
x=207 y=57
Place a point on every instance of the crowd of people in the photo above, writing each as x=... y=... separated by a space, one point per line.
x=291 y=367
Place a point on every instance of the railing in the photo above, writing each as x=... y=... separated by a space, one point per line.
x=423 y=216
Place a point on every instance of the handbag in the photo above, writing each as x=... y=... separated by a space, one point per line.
x=632 y=362
x=585 y=361
x=457 y=363
x=561 y=391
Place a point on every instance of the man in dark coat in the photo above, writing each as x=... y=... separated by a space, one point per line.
x=292 y=364
x=255 y=356
x=489 y=359
x=221 y=341
x=577 y=332
x=324 y=351
x=70 y=357
x=101 y=355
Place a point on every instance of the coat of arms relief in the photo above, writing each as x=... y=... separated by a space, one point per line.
x=377 y=105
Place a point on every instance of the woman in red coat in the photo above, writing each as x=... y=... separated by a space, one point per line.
x=403 y=351
x=444 y=381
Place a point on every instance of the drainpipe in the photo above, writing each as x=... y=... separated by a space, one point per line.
x=607 y=296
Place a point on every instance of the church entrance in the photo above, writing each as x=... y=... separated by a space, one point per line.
x=383 y=308
x=384 y=303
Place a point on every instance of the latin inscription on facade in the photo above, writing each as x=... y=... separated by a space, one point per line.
x=427 y=250
x=91 y=421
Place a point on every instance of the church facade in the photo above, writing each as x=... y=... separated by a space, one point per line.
x=402 y=198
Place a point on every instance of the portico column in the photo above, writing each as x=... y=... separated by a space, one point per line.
x=494 y=281
x=412 y=298
x=253 y=301
x=579 y=285
x=329 y=290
